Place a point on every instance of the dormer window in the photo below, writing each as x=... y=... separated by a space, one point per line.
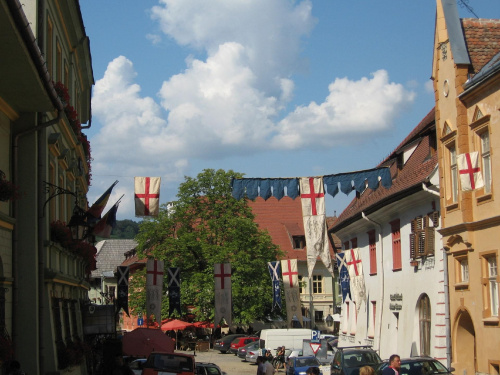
x=299 y=242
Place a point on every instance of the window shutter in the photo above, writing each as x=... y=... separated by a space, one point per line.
x=429 y=241
x=434 y=217
x=422 y=235
x=413 y=242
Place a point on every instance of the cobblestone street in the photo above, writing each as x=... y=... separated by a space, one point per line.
x=229 y=363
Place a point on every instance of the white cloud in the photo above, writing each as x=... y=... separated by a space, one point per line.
x=153 y=38
x=352 y=108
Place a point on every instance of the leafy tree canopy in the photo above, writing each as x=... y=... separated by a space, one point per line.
x=207 y=226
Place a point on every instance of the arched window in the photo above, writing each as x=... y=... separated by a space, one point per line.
x=424 y=309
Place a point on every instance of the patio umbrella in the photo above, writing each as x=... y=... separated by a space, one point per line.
x=142 y=341
x=175 y=325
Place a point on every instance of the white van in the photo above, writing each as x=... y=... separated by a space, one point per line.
x=290 y=338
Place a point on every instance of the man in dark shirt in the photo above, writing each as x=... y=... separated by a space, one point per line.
x=394 y=365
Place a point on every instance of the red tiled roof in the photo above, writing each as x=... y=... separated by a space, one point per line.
x=282 y=219
x=482 y=37
x=414 y=172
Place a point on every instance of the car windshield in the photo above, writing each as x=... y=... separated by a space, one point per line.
x=308 y=361
x=169 y=362
x=358 y=359
x=423 y=367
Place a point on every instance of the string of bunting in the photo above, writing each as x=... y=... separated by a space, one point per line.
x=280 y=187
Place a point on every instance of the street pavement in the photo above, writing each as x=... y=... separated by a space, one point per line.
x=229 y=363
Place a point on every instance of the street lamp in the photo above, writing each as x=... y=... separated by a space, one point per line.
x=78 y=224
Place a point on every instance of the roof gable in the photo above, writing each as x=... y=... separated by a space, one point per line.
x=111 y=253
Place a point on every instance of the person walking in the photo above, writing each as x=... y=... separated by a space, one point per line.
x=268 y=367
x=260 y=365
x=394 y=365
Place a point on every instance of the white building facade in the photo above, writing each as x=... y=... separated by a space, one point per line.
x=395 y=232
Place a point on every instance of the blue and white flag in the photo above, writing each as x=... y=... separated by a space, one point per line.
x=344 y=280
x=275 y=272
x=174 y=290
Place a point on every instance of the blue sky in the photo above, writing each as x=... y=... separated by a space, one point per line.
x=275 y=88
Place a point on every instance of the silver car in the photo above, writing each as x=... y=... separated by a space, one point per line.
x=242 y=352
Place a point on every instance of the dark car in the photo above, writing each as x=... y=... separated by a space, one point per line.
x=242 y=352
x=223 y=344
x=206 y=368
x=162 y=363
x=240 y=342
x=348 y=360
x=419 y=366
x=300 y=365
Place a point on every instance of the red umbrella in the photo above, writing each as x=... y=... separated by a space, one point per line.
x=142 y=341
x=175 y=325
x=203 y=325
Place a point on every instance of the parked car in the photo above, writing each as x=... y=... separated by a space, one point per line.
x=242 y=352
x=299 y=365
x=419 y=366
x=240 y=342
x=348 y=360
x=223 y=344
x=136 y=365
x=161 y=363
x=253 y=354
x=206 y=368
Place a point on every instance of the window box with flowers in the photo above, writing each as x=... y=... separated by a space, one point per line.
x=8 y=191
x=72 y=116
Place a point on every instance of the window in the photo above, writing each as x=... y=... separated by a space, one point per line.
x=318 y=316
x=50 y=46
x=493 y=284
x=422 y=236
x=371 y=320
x=317 y=281
x=486 y=160
x=373 y=252
x=58 y=61
x=490 y=284
x=464 y=270
x=396 y=245
x=301 y=284
x=454 y=173
x=354 y=243
x=424 y=311
x=346 y=245
x=299 y=242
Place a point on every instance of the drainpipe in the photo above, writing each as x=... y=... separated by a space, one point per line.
x=446 y=292
x=447 y=307
x=382 y=281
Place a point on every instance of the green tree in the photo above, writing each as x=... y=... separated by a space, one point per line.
x=207 y=226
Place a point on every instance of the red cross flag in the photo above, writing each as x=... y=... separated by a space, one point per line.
x=356 y=278
x=290 y=275
x=147 y=196
x=154 y=288
x=470 y=173
x=223 y=302
x=312 y=196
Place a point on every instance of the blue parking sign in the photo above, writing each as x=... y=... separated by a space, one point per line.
x=315 y=335
x=140 y=321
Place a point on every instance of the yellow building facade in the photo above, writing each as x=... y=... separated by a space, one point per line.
x=466 y=75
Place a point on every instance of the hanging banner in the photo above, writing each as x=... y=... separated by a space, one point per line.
x=174 y=290
x=147 y=196
x=275 y=271
x=122 y=289
x=223 y=303
x=290 y=277
x=154 y=289
x=356 y=278
x=343 y=276
x=312 y=196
